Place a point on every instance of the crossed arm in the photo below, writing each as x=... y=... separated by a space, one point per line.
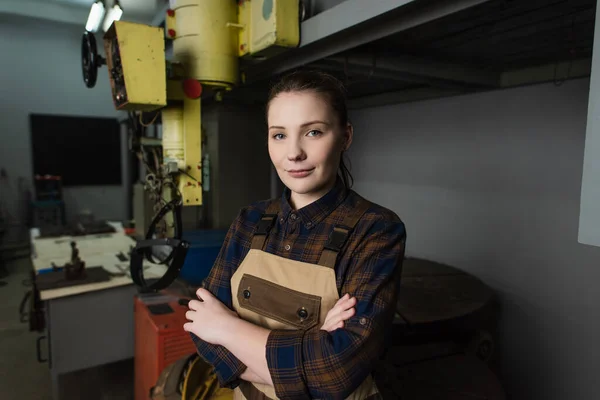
x=227 y=328
x=315 y=363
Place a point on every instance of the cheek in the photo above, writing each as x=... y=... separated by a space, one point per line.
x=326 y=156
x=274 y=154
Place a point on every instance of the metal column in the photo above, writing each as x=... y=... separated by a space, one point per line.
x=589 y=213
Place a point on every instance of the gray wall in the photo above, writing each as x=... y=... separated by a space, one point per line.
x=239 y=159
x=40 y=72
x=245 y=164
x=490 y=183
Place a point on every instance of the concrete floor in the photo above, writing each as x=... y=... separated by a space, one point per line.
x=24 y=377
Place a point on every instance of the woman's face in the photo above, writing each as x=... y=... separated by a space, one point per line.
x=305 y=144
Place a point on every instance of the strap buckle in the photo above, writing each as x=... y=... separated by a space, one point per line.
x=265 y=224
x=337 y=238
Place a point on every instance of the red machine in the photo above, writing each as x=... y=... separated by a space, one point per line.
x=159 y=340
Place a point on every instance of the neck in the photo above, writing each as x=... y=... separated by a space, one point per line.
x=301 y=200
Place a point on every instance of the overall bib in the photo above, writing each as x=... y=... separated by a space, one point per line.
x=278 y=293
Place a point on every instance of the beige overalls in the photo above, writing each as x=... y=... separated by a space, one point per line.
x=278 y=293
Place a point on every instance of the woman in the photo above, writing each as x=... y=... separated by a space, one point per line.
x=285 y=263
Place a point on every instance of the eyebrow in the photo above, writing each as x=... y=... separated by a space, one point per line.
x=303 y=125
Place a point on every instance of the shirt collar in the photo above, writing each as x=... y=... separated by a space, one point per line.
x=316 y=211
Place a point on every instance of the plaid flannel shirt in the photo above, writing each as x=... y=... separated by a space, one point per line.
x=315 y=363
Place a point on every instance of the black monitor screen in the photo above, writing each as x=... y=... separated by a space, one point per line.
x=84 y=151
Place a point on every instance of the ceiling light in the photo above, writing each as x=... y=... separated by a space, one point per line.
x=95 y=17
x=113 y=14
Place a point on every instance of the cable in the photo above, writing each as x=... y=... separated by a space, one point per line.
x=149 y=123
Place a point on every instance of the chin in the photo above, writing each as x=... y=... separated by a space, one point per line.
x=300 y=186
x=304 y=186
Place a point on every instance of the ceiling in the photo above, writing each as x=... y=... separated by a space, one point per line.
x=497 y=44
x=502 y=34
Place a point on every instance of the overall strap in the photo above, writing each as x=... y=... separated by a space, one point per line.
x=265 y=224
x=340 y=233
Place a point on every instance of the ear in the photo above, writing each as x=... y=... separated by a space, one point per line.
x=348 y=135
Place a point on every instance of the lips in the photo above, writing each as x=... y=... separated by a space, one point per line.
x=300 y=173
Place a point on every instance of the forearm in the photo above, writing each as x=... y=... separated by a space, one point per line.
x=248 y=343
x=226 y=366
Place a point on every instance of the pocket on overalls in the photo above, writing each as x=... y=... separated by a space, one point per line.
x=296 y=309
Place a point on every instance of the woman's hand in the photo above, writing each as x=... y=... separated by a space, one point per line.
x=342 y=311
x=209 y=317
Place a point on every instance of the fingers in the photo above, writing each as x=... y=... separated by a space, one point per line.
x=346 y=299
x=194 y=304
x=342 y=311
x=347 y=314
x=190 y=315
x=336 y=321
x=343 y=299
x=204 y=295
x=351 y=302
x=330 y=327
x=344 y=303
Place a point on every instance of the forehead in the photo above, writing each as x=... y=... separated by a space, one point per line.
x=296 y=108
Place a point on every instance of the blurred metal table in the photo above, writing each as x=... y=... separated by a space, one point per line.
x=441 y=337
x=437 y=300
x=90 y=324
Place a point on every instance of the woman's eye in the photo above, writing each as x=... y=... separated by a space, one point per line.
x=314 y=133
x=278 y=136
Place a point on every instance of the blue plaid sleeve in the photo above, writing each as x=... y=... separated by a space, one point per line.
x=227 y=367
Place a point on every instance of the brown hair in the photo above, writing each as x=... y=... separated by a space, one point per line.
x=325 y=85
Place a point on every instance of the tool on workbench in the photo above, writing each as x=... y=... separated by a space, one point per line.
x=76 y=268
x=75 y=272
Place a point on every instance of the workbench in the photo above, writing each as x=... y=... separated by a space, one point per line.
x=88 y=325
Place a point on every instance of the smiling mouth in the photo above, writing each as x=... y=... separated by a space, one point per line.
x=299 y=173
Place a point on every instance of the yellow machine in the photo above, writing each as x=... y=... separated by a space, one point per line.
x=208 y=39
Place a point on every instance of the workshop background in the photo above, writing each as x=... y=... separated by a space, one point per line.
x=488 y=182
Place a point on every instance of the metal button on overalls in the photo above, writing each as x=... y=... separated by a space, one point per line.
x=302 y=313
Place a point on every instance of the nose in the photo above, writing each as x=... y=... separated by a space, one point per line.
x=295 y=151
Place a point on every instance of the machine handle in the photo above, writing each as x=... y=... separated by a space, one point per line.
x=39 y=349
x=90 y=59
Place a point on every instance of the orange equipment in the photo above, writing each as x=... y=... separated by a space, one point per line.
x=159 y=341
